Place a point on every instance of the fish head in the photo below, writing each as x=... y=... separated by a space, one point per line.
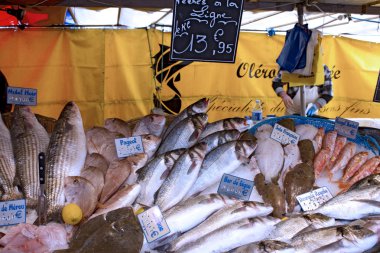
x=24 y=116
x=198 y=107
x=319 y=220
x=156 y=119
x=172 y=156
x=199 y=120
x=274 y=246
x=71 y=113
x=359 y=235
x=240 y=124
x=198 y=151
x=230 y=135
x=216 y=198
x=252 y=206
x=113 y=123
x=137 y=161
x=150 y=142
x=245 y=148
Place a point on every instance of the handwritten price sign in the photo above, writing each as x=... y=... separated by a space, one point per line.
x=284 y=135
x=236 y=187
x=129 y=146
x=153 y=224
x=206 y=30
x=312 y=200
x=12 y=212
x=347 y=128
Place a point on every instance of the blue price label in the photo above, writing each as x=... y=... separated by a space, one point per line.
x=129 y=146
x=236 y=187
x=21 y=96
x=12 y=212
x=345 y=127
x=153 y=224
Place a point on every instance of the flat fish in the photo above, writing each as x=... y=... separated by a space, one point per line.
x=186 y=133
x=65 y=155
x=344 y=157
x=292 y=157
x=119 y=126
x=181 y=178
x=239 y=124
x=306 y=131
x=80 y=191
x=263 y=132
x=152 y=175
x=122 y=198
x=29 y=138
x=354 y=164
x=307 y=151
x=151 y=124
x=223 y=159
x=199 y=106
x=270 y=158
x=7 y=164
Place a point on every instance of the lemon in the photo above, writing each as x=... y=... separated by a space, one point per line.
x=72 y=214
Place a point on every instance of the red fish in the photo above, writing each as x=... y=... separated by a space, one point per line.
x=320 y=161
x=366 y=169
x=344 y=157
x=329 y=141
x=354 y=164
x=339 y=144
x=319 y=138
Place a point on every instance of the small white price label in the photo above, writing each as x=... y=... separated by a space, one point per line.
x=12 y=212
x=21 y=96
x=312 y=200
x=345 y=127
x=153 y=224
x=284 y=135
x=129 y=146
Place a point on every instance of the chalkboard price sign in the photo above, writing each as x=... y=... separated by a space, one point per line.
x=206 y=30
x=376 y=98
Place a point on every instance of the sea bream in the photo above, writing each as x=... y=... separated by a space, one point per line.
x=152 y=175
x=199 y=106
x=102 y=141
x=29 y=138
x=239 y=124
x=181 y=178
x=7 y=164
x=96 y=160
x=65 y=155
x=227 y=215
x=233 y=235
x=270 y=158
x=185 y=134
x=150 y=124
x=223 y=159
x=118 y=126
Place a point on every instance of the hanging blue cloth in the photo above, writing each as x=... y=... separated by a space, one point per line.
x=293 y=54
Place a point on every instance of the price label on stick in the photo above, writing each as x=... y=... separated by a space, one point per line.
x=21 y=96
x=236 y=187
x=12 y=212
x=312 y=200
x=153 y=224
x=284 y=135
x=129 y=146
x=347 y=128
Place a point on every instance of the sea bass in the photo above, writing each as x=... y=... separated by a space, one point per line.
x=118 y=173
x=65 y=156
x=344 y=156
x=152 y=175
x=122 y=198
x=199 y=106
x=150 y=124
x=239 y=124
x=218 y=138
x=185 y=134
x=181 y=178
x=233 y=235
x=29 y=138
x=353 y=204
x=80 y=191
x=270 y=158
x=288 y=228
x=354 y=164
x=223 y=159
x=227 y=215
x=118 y=126
x=267 y=246
x=327 y=239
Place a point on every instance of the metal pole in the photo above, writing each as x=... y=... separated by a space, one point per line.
x=302 y=88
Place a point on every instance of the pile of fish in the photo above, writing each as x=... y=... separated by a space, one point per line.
x=179 y=170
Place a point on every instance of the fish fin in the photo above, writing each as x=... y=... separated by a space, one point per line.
x=100 y=205
x=195 y=136
x=155 y=196
x=369 y=202
x=165 y=174
x=193 y=166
